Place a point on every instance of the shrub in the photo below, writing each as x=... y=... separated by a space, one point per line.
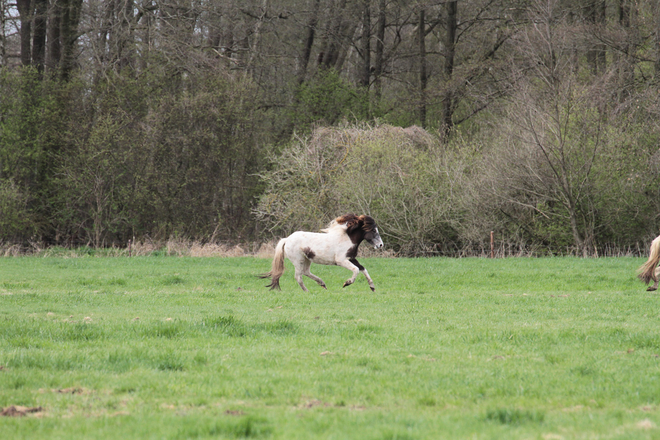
x=399 y=176
x=15 y=218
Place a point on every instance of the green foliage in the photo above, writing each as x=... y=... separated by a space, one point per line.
x=326 y=99
x=149 y=155
x=15 y=220
x=204 y=154
x=28 y=141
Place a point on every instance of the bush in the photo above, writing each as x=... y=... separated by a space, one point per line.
x=327 y=98
x=16 y=223
x=399 y=176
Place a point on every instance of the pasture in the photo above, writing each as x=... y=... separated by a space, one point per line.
x=186 y=348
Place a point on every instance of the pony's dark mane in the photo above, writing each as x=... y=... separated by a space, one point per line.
x=353 y=221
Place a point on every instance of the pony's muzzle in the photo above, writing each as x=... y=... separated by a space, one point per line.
x=377 y=244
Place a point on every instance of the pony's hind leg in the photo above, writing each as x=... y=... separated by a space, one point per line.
x=299 y=279
x=655 y=279
x=311 y=275
x=299 y=265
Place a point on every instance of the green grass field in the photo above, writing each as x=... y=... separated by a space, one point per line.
x=186 y=348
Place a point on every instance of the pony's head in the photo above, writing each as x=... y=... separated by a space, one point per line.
x=360 y=228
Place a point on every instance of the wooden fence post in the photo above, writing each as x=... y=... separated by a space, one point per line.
x=492 y=244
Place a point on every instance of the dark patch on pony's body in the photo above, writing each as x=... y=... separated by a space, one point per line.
x=309 y=253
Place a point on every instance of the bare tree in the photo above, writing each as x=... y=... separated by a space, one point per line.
x=364 y=77
x=25 y=10
x=3 y=34
x=423 y=76
x=341 y=25
x=449 y=55
x=656 y=35
x=556 y=132
x=310 y=34
x=595 y=14
x=39 y=34
x=380 y=47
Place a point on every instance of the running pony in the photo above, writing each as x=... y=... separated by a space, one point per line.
x=336 y=245
x=648 y=270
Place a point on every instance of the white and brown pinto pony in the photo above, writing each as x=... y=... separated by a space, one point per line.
x=648 y=271
x=336 y=245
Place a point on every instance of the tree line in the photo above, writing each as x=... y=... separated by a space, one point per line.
x=239 y=120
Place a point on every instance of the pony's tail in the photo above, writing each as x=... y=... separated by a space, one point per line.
x=277 y=269
x=646 y=272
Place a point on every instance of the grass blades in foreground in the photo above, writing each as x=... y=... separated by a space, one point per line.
x=181 y=348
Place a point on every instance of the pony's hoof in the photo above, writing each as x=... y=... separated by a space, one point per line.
x=373 y=289
x=323 y=285
x=651 y=289
x=346 y=284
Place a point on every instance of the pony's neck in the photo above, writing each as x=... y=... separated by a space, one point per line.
x=356 y=237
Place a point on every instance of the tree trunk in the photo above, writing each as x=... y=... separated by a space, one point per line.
x=626 y=61
x=596 y=54
x=25 y=11
x=54 y=50
x=380 y=47
x=365 y=70
x=39 y=37
x=450 y=53
x=423 y=79
x=656 y=28
x=309 y=41
x=332 y=44
x=69 y=35
x=3 y=35
x=125 y=38
x=348 y=34
x=256 y=36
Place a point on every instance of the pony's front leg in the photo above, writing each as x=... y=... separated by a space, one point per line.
x=369 y=280
x=353 y=268
x=364 y=271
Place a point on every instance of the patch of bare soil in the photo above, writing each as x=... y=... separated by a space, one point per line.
x=314 y=403
x=20 y=411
